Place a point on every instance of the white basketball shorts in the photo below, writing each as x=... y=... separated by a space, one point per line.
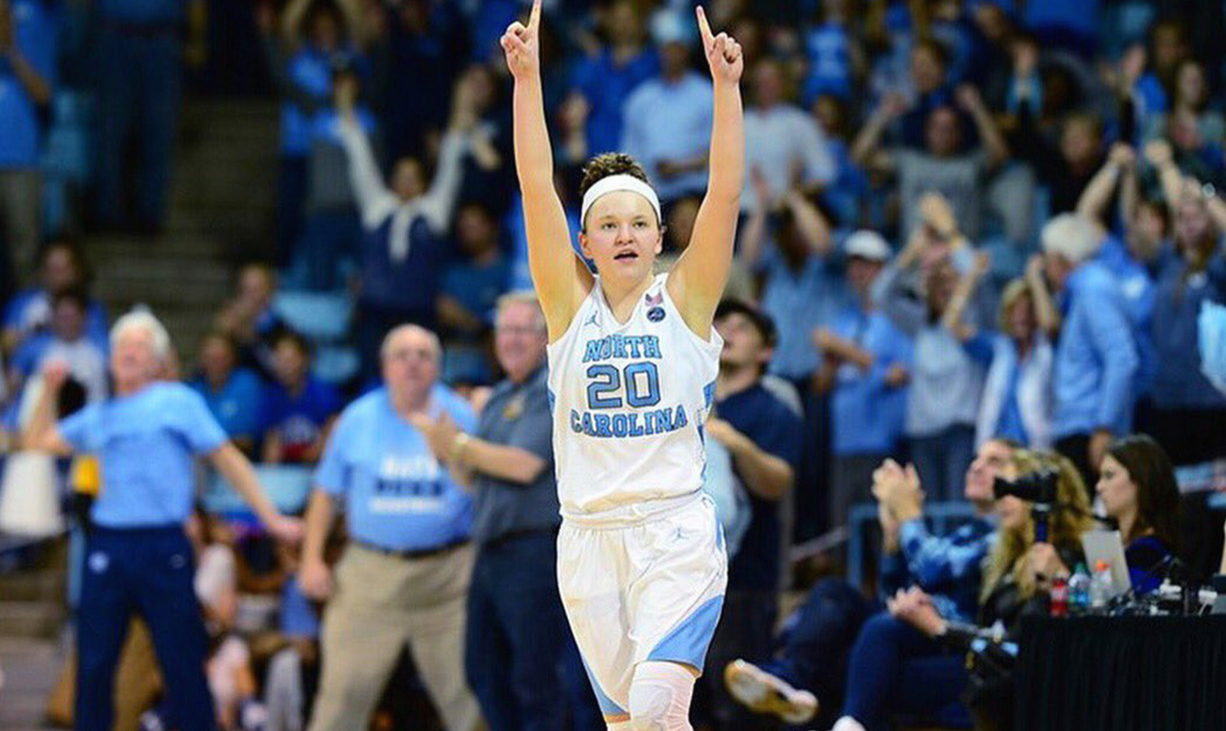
x=644 y=582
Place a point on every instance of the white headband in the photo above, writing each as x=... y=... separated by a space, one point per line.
x=614 y=184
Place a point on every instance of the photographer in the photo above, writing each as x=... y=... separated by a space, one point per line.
x=915 y=640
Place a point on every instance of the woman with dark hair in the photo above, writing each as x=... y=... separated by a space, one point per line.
x=1137 y=486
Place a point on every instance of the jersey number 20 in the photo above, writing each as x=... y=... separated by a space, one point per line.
x=642 y=385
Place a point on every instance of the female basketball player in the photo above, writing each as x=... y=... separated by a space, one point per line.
x=632 y=365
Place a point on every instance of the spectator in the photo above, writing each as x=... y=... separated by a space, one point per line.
x=1017 y=392
x=1186 y=409
x=677 y=236
x=516 y=630
x=865 y=362
x=605 y=80
x=28 y=34
x=847 y=191
x=228 y=669
x=1138 y=491
x=1067 y=168
x=139 y=59
x=928 y=89
x=835 y=58
x=488 y=178
x=1096 y=355
x=293 y=672
x=763 y=437
x=1195 y=132
x=405 y=574
x=803 y=286
x=333 y=230
x=914 y=641
x=404 y=228
x=232 y=393
x=298 y=409
x=945 y=381
x=138 y=556
x=470 y=288
x=66 y=342
x=945 y=165
x=1168 y=47
x=781 y=141
x=673 y=154
x=301 y=65
x=61 y=268
x=817 y=639
x=421 y=53
x=250 y=318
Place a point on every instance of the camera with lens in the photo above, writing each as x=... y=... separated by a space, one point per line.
x=1037 y=488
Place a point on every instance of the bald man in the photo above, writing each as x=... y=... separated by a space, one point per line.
x=403 y=579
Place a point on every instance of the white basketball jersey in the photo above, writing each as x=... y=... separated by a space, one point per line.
x=629 y=403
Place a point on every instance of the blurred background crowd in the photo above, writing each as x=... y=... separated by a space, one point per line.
x=964 y=220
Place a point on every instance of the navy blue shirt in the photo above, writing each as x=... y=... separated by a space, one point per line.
x=411 y=283
x=775 y=430
x=517 y=415
x=298 y=420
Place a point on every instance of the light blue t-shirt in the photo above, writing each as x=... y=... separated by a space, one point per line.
x=146 y=443
x=397 y=496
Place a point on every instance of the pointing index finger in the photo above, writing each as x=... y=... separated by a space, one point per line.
x=534 y=18
x=704 y=28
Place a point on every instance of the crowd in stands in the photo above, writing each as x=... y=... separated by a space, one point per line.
x=976 y=238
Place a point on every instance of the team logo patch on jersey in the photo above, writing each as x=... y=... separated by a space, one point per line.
x=655 y=302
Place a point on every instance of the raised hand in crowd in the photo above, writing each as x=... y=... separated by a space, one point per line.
x=952 y=318
x=865 y=150
x=897 y=488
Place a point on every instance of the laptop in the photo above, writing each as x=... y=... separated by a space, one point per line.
x=1106 y=545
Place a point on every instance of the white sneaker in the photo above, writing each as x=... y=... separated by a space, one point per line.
x=760 y=691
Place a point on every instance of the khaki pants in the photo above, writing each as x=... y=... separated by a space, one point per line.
x=383 y=603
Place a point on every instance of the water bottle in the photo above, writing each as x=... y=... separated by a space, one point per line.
x=1059 y=597
x=1079 y=590
x=1101 y=587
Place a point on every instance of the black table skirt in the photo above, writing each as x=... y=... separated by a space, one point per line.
x=1122 y=673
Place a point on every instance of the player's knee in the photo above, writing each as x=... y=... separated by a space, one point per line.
x=660 y=697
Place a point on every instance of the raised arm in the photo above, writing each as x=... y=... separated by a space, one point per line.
x=1045 y=309
x=698 y=278
x=813 y=226
x=993 y=141
x=1096 y=198
x=560 y=278
x=952 y=319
